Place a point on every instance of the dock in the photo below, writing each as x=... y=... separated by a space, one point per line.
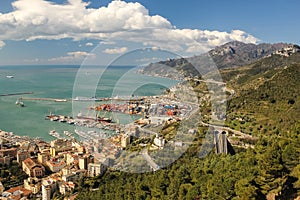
x=15 y=94
x=43 y=99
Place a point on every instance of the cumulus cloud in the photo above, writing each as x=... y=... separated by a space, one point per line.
x=120 y=20
x=72 y=57
x=89 y=44
x=115 y=50
x=2 y=44
x=107 y=42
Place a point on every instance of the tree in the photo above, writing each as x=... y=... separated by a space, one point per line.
x=290 y=156
x=245 y=190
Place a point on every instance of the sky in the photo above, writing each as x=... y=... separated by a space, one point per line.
x=54 y=32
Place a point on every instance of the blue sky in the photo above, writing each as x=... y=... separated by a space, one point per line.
x=65 y=32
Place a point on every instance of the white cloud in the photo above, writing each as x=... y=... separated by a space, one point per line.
x=149 y=59
x=107 y=42
x=119 y=21
x=89 y=44
x=2 y=44
x=72 y=57
x=115 y=50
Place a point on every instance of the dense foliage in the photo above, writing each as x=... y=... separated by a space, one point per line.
x=272 y=168
x=267 y=105
x=11 y=175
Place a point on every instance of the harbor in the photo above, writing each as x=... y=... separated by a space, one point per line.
x=39 y=87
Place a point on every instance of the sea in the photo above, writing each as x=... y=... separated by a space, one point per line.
x=63 y=82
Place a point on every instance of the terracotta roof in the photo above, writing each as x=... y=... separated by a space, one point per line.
x=30 y=163
x=16 y=192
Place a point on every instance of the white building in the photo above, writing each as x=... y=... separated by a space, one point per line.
x=33 y=184
x=48 y=187
x=46 y=192
x=96 y=169
x=159 y=141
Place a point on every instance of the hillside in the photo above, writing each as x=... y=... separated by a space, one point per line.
x=267 y=92
x=266 y=104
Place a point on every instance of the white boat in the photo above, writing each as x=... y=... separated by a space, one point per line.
x=60 y=100
x=54 y=134
x=85 y=99
x=67 y=133
x=20 y=103
x=9 y=76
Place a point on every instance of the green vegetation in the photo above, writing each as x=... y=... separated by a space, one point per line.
x=11 y=175
x=266 y=104
x=273 y=167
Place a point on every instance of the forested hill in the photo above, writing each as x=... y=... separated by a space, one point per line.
x=265 y=104
x=268 y=92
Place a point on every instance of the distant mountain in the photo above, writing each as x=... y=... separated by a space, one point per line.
x=232 y=54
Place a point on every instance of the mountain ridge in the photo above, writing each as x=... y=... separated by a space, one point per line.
x=230 y=55
x=236 y=54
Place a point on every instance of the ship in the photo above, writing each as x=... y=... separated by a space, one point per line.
x=99 y=119
x=86 y=99
x=67 y=133
x=55 y=134
x=9 y=76
x=60 y=100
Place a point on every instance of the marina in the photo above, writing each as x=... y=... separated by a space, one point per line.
x=42 y=87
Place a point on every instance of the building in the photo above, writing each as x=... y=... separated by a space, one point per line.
x=1 y=188
x=43 y=157
x=220 y=140
x=22 y=155
x=6 y=160
x=159 y=141
x=12 y=152
x=60 y=145
x=72 y=175
x=125 y=140
x=81 y=149
x=96 y=169
x=132 y=130
x=48 y=188
x=84 y=161
x=46 y=192
x=55 y=165
x=157 y=120
x=33 y=169
x=17 y=193
x=43 y=146
x=71 y=158
x=65 y=187
x=33 y=184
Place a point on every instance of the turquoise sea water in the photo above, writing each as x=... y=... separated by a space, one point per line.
x=58 y=82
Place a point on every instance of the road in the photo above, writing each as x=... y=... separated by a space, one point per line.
x=146 y=156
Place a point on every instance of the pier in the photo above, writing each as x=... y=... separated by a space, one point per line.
x=15 y=94
x=43 y=99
